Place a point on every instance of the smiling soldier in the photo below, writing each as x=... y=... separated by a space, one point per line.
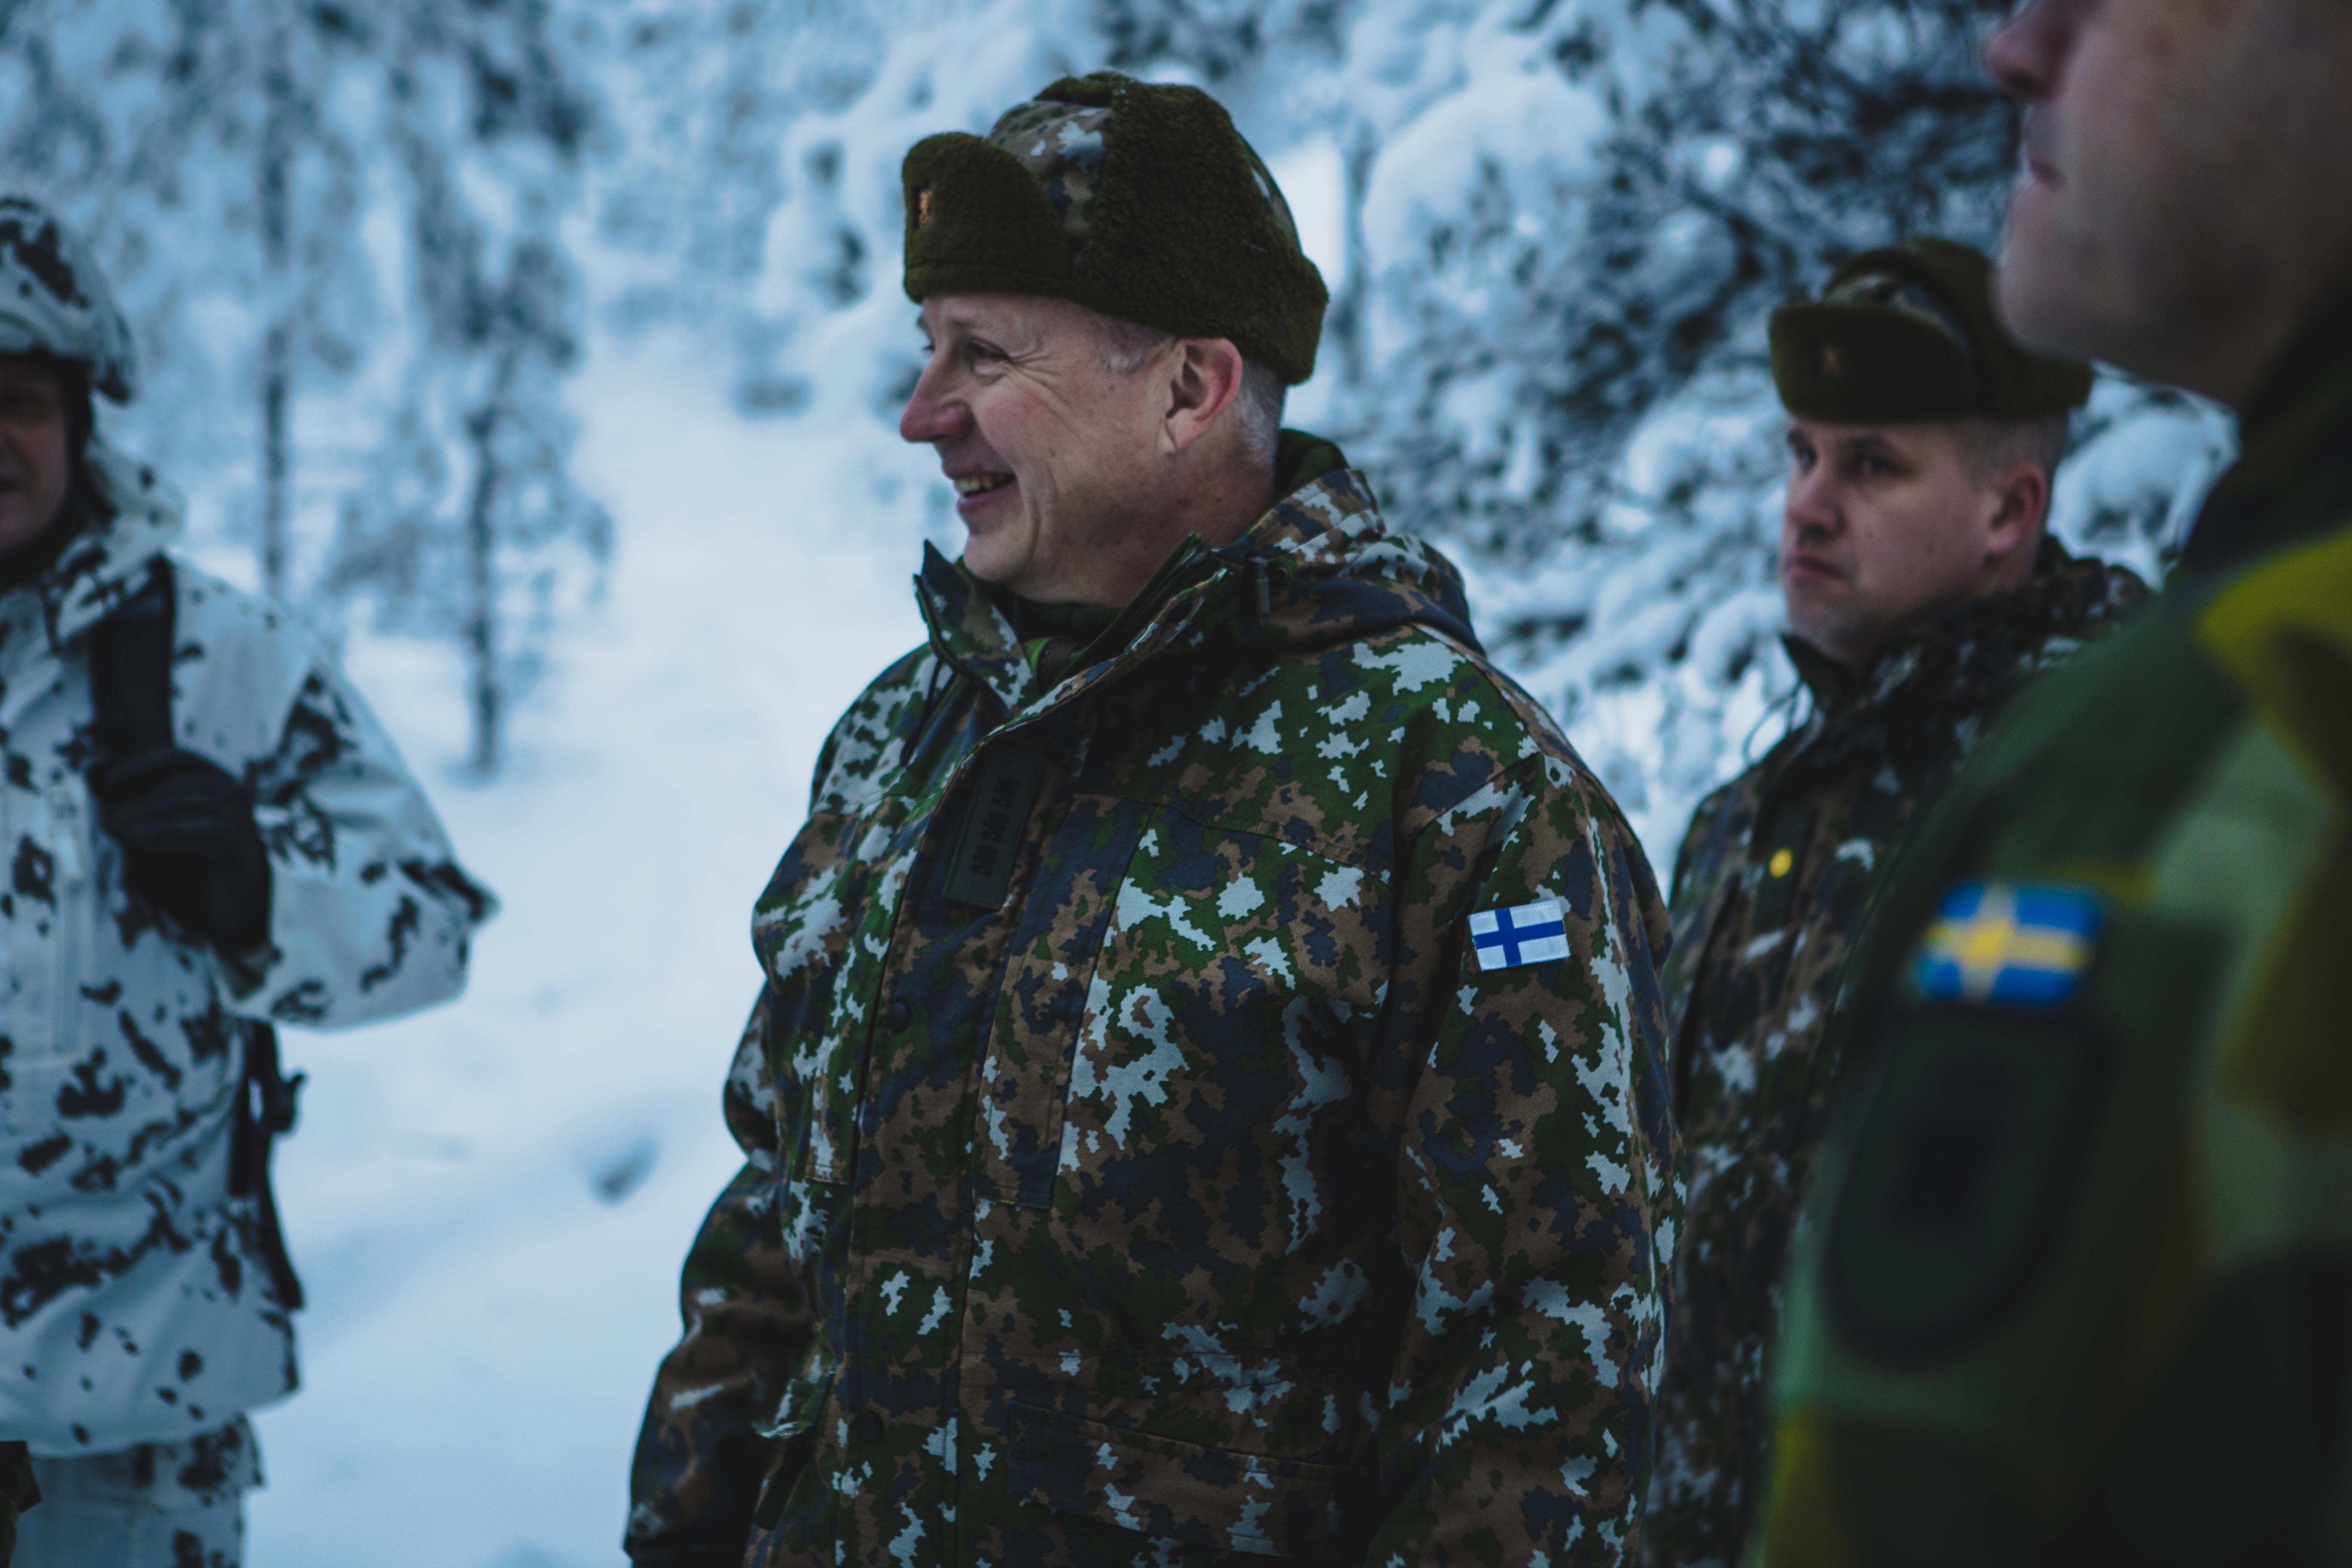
x=1921 y=593
x=1207 y=1101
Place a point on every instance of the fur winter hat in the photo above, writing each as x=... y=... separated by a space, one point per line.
x=1911 y=334
x=1142 y=202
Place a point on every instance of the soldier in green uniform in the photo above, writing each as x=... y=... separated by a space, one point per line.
x=1208 y=1097
x=2074 y=1283
x=1921 y=591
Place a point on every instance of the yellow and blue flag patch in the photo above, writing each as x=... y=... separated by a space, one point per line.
x=2011 y=944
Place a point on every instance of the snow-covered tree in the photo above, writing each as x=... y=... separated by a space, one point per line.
x=229 y=159
x=210 y=153
x=1574 y=230
x=489 y=548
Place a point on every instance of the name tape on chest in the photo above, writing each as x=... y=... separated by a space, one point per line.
x=2010 y=944
x=1519 y=935
x=996 y=817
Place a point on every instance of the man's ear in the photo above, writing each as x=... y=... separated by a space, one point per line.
x=1204 y=376
x=2020 y=498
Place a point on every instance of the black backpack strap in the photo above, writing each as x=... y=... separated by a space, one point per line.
x=131 y=668
x=268 y=1103
x=130 y=705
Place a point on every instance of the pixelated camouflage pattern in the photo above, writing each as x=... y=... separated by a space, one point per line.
x=2116 y=1329
x=1062 y=144
x=1204 y=1200
x=700 y=1455
x=135 y=1303
x=1749 y=996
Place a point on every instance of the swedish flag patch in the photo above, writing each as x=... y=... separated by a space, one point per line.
x=2012 y=945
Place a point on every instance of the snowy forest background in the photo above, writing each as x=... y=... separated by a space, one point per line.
x=546 y=354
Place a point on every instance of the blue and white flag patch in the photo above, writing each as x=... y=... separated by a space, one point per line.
x=2012 y=945
x=1520 y=935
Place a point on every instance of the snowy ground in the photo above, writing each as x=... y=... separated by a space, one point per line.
x=483 y=1321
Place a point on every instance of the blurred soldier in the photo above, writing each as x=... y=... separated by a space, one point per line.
x=1207 y=1097
x=1922 y=592
x=2074 y=1282
x=206 y=833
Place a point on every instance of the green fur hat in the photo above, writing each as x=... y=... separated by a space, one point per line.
x=1142 y=202
x=1909 y=335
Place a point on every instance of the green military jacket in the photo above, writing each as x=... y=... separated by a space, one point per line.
x=1770 y=893
x=2074 y=1284
x=1144 y=1164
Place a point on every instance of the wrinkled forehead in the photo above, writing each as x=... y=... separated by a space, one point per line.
x=1918 y=440
x=1011 y=320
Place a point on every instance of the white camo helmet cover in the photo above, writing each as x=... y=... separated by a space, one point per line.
x=54 y=299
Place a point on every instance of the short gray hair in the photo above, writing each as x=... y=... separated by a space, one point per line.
x=1990 y=447
x=1127 y=347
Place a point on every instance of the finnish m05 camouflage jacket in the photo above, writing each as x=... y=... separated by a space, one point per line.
x=1771 y=890
x=1143 y=1168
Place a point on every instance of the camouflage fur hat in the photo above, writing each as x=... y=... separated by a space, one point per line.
x=1911 y=334
x=1142 y=202
x=54 y=299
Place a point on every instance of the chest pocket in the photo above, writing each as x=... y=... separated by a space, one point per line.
x=1218 y=1023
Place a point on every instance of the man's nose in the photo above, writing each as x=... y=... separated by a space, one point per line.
x=929 y=415
x=1811 y=507
x=2023 y=53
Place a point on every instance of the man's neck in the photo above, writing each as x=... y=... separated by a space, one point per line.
x=2247 y=359
x=1216 y=511
x=2046 y=556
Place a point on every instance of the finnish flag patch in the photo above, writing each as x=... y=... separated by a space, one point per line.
x=1522 y=934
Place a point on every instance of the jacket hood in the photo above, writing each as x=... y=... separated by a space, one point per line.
x=107 y=562
x=1320 y=567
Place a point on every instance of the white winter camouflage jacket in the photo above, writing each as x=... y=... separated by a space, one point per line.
x=135 y=1303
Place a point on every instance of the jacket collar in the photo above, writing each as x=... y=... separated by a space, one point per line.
x=1320 y=567
x=107 y=562
x=1968 y=660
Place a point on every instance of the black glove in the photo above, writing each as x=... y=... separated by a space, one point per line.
x=189 y=843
